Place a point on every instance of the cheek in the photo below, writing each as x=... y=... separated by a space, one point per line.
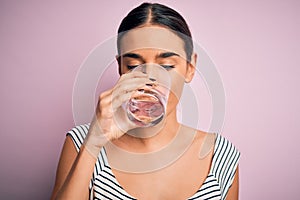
x=177 y=83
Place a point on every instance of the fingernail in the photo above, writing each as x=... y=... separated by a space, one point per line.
x=149 y=84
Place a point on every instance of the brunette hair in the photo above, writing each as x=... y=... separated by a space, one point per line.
x=157 y=14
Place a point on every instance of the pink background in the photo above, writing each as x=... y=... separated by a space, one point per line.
x=255 y=45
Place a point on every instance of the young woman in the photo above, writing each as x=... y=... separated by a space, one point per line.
x=178 y=162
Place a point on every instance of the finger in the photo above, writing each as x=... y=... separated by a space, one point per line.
x=120 y=99
x=127 y=88
x=104 y=97
x=131 y=80
x=122 y=121
x=128 y=85
x=134 y=74
x=132 y=84
x=105 y=106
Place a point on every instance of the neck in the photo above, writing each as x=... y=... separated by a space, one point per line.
x=150 y=139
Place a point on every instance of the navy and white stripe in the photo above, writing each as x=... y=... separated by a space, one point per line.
x=104 y=185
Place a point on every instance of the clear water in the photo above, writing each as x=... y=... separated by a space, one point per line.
x=146 y=108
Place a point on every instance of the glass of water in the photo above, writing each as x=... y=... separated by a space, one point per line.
x=147 y=105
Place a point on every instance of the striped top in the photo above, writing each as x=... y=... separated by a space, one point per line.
x=104 y=185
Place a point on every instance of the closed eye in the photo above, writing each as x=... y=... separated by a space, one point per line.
x=130 y=67
x=168 y=67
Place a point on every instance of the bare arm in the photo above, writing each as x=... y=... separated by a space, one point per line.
x=233 y=193
x=75 y=170
x=74 y=173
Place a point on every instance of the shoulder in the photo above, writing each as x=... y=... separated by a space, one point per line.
x=78 y=134
x=225 y=152
x=224 y=146
x=220 y=145
x=225 y=162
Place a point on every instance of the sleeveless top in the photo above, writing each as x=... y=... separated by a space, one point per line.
x=103 y=184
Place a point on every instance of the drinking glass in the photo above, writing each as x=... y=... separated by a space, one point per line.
x=147 y=105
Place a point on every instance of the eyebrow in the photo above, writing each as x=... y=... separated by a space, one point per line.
x=132 y=55
x=166 y=55
x=161 y=55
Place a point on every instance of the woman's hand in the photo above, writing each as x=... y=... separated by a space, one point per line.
x=110 y=120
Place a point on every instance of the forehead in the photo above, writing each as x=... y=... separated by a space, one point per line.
x=152 y=37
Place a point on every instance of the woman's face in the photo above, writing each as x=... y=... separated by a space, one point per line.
x=154 y=44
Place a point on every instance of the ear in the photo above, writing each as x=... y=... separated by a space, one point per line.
x=118 y=58
x=191 y=68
